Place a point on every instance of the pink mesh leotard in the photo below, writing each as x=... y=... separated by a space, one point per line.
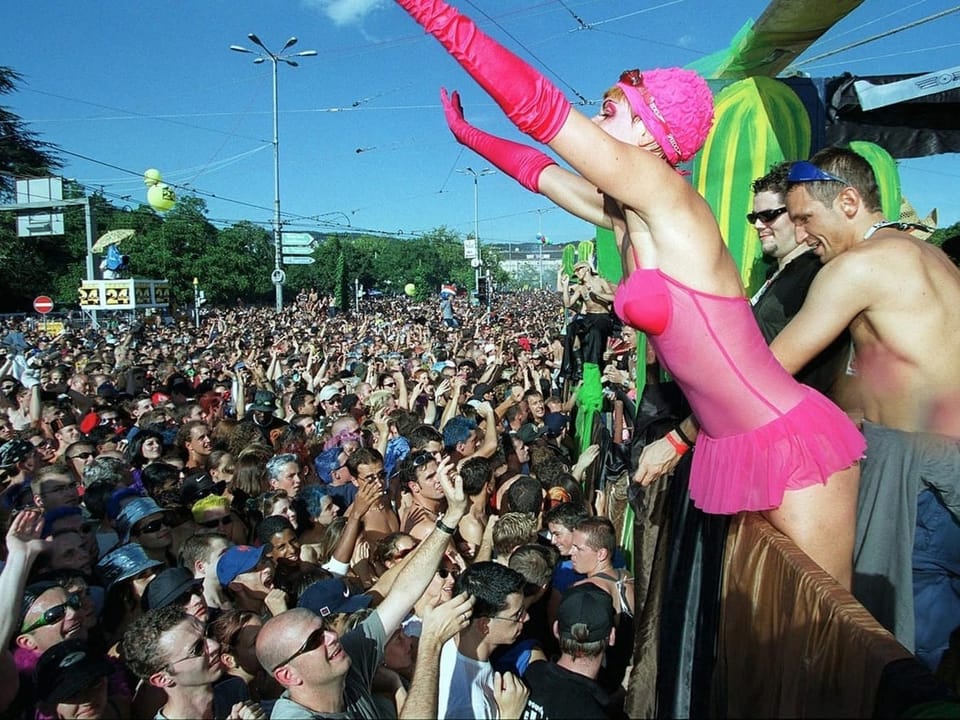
x=762 y=432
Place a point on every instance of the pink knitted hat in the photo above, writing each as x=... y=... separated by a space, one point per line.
x=676 y=106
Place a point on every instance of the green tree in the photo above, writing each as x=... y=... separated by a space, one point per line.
x=22 y=153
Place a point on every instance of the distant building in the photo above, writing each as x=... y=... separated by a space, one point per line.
x=527 y=263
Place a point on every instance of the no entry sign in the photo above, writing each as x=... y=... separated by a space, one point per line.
x=43 y=304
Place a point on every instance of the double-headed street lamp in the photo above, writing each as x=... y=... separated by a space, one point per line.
x=278 y=276
x=478 y=261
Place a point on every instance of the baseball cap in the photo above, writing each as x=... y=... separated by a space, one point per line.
x=199 y=486
x=554 y=423
x=329 y=392
x=238 y=560
x=529 y=432
x=590 y=608
x=332 y=595
x=68 y=668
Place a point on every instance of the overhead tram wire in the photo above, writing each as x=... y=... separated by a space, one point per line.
x=880 y=36
x=581 y=98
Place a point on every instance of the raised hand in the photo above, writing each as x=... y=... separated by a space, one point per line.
x=443 y=620
x=25 y=535
x=511 y=695
x=452 y=490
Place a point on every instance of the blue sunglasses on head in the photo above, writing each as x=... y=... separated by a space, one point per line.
x=805 y=171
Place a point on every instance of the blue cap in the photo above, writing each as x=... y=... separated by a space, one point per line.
x=332 y=595
x=237 y=560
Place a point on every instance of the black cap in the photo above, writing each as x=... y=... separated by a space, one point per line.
x=167 y=586
x=68 y=668
x=588 y=607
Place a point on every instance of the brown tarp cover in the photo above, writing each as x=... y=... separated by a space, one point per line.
x=793 y=643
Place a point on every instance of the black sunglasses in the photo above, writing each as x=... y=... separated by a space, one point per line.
x=421 y=458
x=766 y=216
x=152 y=527
x=444 y=573
x=82 y=455
x=219 y=522
x=314 y=640
x=55 y=614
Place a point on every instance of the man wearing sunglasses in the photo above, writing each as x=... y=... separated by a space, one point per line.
x=899 y=297
x=49 y=615
x=783 y=293
x=324 y=673
x=168 y=649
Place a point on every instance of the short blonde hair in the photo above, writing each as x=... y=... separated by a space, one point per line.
x=512 y=530
x=205 y=504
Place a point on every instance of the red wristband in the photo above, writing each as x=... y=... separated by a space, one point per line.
x=678 y=445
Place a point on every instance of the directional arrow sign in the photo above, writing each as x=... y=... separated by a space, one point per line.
x=293 y=239
x=297 y=250
x=298 y=260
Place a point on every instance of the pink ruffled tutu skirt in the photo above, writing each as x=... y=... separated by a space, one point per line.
x=752 y=470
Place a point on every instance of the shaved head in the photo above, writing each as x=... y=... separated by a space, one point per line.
x=280 y=637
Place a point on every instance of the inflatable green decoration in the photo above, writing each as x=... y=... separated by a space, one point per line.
x=758 y=122
x=888 y=177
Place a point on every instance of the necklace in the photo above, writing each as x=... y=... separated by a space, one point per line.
x=902 y=226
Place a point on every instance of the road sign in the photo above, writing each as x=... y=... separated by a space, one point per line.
x=297 y=250
x=43 y=304
x=297 y=260
x=277 y=277
x=469 y=247
x=294 y=239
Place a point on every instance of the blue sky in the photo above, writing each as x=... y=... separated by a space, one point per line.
x=124 y=86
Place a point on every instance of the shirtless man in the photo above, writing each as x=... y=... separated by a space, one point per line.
x=419 y=518
x=590 y=299
x=900 y=299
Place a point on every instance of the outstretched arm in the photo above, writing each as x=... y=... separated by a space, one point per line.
x=530 y=167
x=539 y=109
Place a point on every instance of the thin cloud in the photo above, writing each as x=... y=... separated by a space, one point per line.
x=344 y=12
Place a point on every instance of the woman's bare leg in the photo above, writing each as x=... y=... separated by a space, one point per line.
x=822 y=521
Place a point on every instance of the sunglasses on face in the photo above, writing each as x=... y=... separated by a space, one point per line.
x=314 y=640
x=152 y=527
x=421 y=458
x=766 y=216
x=805 y=171
x=224 y=521
x=83 y=455
x=53 y=615
x=444 y=573
x=185 y=598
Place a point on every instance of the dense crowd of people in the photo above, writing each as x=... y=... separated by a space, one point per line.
x=198 y=515
x=383 y=513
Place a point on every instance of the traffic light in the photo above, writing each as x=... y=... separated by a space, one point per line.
x=483 y=290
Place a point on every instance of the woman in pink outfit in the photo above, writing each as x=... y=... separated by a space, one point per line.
x=765 y=442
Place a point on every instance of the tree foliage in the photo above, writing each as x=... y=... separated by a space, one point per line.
x=22 y=153
x=231 y=264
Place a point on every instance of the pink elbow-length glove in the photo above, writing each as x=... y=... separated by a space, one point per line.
x=524 y=164
x=532 y=102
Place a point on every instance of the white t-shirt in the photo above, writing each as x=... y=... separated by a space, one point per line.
x=466 y=686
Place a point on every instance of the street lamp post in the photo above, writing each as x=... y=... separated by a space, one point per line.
x=478 y=262
x=196 y=302
x=277 y=276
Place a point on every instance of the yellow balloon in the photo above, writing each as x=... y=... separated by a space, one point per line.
x=410 y=289
x=151 y=177
x=161 y=197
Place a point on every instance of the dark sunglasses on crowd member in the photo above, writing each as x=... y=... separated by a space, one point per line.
x=766 y=216
x=225 y=521
x=55 y=614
